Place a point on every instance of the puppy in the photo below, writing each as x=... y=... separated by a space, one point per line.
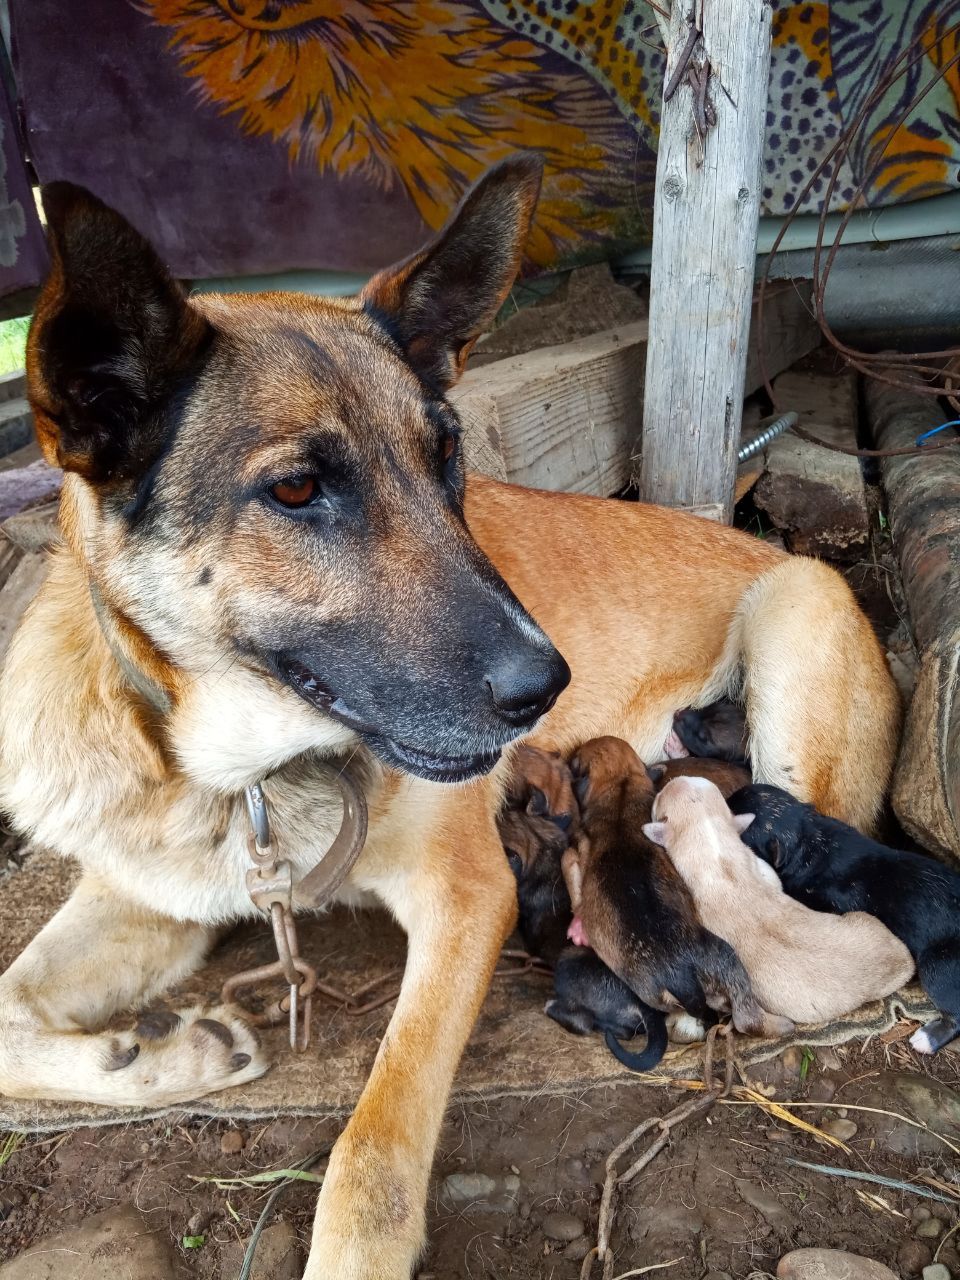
x=717 y=732
x=830 y=866
x=725 y=776
x=633 y=908
x=810 y=966
x=588 y=996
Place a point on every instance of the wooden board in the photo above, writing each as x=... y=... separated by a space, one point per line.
x=565 y=417
x=22 y=585
x=815 y=495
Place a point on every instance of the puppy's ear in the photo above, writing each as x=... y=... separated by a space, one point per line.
x=581 y=785
x=438 y=302
x=655 y=772
x=775 y=850
x=742 y=820
x=656 y=831
x=111 y=336
x=537 y=805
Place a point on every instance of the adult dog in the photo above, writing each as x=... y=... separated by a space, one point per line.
x=265 y=498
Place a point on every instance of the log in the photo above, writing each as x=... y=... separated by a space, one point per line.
x=565 y=417
x=706 y=209
x=923 y=504
x=22 y=585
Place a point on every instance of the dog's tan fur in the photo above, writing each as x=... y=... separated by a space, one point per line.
x=652 y=609
x=811 y=966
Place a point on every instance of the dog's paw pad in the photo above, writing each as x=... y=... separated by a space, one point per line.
x=211 y=1027
x=157 y=1024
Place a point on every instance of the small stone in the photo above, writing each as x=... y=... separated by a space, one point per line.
x=830 y=1264
x=767 y=1205
x=920 y=1214
x=829 y=1059
x=822 y=1090
x=576 y=1171
x=232 y=1142
x=277 y=1255
x=118 y=1243
x=673 y=1222
x=198 y=1224
x=577 y=1250
x=792 y=1060
x=936 y=1271
x=929 y=1229
x=480 y=1191
x=842 y=1129
x=913 y=1256
x=562 y=1226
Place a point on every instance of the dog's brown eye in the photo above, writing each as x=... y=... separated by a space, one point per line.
x=295 y=492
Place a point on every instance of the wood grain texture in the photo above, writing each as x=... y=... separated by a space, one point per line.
x=566 y=417
x=706 y=209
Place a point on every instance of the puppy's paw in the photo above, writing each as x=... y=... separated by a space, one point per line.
x=174 y=1057
x=922 y=1042
x=673 y=748
x=684 y=1028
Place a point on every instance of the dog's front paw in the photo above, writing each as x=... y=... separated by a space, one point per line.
x=172 y=1057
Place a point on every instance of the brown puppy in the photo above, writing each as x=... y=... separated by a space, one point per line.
x=588 y=996
x=811 y=966
x=633 y=907
x=726 y=776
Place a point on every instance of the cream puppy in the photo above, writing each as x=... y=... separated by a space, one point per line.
x=810 y=966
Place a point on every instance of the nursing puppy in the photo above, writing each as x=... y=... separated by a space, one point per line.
x=633 y=908
x=810 y=966
x=718 y=732
x=588 y=996
x=832 y=867
x=725 y=776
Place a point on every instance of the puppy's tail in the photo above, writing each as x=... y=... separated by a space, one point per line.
x=656 y=1026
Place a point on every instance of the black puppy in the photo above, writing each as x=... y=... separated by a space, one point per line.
x=718 y=732
x=589 y=997
x=831 y=867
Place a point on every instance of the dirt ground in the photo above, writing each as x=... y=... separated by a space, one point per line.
x=723 y=1196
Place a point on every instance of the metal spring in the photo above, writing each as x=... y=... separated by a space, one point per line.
x=776 y=428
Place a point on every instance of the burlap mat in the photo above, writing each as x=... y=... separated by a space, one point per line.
x=514 y=1049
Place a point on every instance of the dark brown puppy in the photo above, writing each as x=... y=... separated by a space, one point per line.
x=717 y=732
x=634 y=909
x=725 y=776
x=534 y=832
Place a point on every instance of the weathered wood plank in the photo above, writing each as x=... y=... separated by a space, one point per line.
x=35 y=530
x=706 y=208
x=22 y=585
x=564 y=418
x=816 y=496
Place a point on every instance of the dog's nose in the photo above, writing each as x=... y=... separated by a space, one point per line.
x=523 y=689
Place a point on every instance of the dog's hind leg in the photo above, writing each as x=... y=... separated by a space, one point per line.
x=97 y=957
x=822 y=708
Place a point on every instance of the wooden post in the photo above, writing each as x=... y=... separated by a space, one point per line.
x=706 y=209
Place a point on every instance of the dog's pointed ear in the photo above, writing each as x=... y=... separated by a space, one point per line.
x=742 y=820
x=438 y=302
x=112 y=332
x=656 y=831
